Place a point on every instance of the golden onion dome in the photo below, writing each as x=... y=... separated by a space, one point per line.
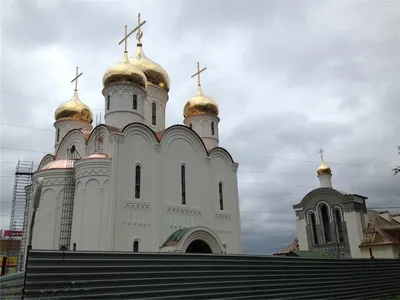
x=125 y=72
x=200 y=105
x=155 y=74
x=324 y=169
x=74 y=109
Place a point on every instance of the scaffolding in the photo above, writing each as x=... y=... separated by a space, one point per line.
x=21 y=259
x=18 y=219
x=68 y=199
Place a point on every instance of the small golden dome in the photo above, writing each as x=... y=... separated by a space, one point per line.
x=200 y=105
x=125 y=72
x=74 y=109
x=155 y=74
x=324 y=169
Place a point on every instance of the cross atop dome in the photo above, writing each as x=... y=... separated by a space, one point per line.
x=76 y=79
x=198 y=74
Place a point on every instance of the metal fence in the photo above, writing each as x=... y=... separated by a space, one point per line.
x=111 y=275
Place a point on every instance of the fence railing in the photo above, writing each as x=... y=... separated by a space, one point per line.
x=111 y=275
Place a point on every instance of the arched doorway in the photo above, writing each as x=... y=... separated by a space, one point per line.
x=198 y=246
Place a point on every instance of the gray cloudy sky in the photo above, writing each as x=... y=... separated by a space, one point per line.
x=290 y=77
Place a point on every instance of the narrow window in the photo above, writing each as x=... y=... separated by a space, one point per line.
x=339 y=228
x=191 y=126
x=183 y=184
x=136 y=246
x=153 y=113
x=134 y=102
x=137 y=182
x=325 y=223
x=108 y=102
x=314 y=229
x=221 y=197
x=212 y=128
x=58 y=134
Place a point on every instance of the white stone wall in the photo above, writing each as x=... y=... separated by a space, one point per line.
x=107 y=216
x=383 y=251
x=46 y=230
x=121 y=112
x=160 y=211
x=325 y=181
x=160 y=97
x=302 y=233
x=65 y=126
x=355 y=232
x=91 y=205
x=202 y=124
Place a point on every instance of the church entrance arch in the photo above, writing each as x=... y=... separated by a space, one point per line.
x=198 y=246
x=199 y=239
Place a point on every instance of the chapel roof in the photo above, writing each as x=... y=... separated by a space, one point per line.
x=294 y=246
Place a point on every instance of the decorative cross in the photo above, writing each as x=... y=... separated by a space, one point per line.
x=133 y=31
x=321 y=152
x=198 y=73
x=76 y=79
x=139 y=34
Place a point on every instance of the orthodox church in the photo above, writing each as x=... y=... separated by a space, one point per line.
x=131 y=184
x=340 y=225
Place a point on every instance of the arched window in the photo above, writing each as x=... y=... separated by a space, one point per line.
x=212 y=128
x=108 y=102
x=135 y=246
x=325 y=223
x=183 y=184
x=58 y=134
x=137 y=182
x=221 y=197
x=314 y=228
x=338 y=223
x=153 y=113
x=191 y=126
x=134 y=102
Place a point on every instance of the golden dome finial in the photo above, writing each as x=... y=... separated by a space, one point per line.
x=74 y=109
x=200 y=104
x=125 y=72
x=155 y=74
x=323 y=169
x=139 y=33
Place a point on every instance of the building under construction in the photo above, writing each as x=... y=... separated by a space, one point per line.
x=15 y=239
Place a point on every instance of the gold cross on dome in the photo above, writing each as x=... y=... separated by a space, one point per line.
x=139 y=34
x=132 y=31
x=76 y=79
x=321 y=152
x=198 y=73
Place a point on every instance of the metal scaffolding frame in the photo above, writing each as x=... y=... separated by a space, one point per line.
x=19 y=210
x=68 y=199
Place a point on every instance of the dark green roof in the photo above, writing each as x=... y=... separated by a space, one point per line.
x=175 y=238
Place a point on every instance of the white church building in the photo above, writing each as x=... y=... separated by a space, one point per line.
x=131 y=184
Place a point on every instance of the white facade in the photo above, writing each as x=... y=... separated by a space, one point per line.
x=108 y=215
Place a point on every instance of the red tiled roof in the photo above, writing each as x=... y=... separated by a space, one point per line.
x=294 y=246
x=382 y=230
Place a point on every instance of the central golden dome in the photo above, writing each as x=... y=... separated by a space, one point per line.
x=200 y=105
x=155 y=74
x=324 y=169
x=74 y=109
x=125 y=72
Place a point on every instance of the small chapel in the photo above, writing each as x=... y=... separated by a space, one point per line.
x=131 y=184
x=340 y=225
